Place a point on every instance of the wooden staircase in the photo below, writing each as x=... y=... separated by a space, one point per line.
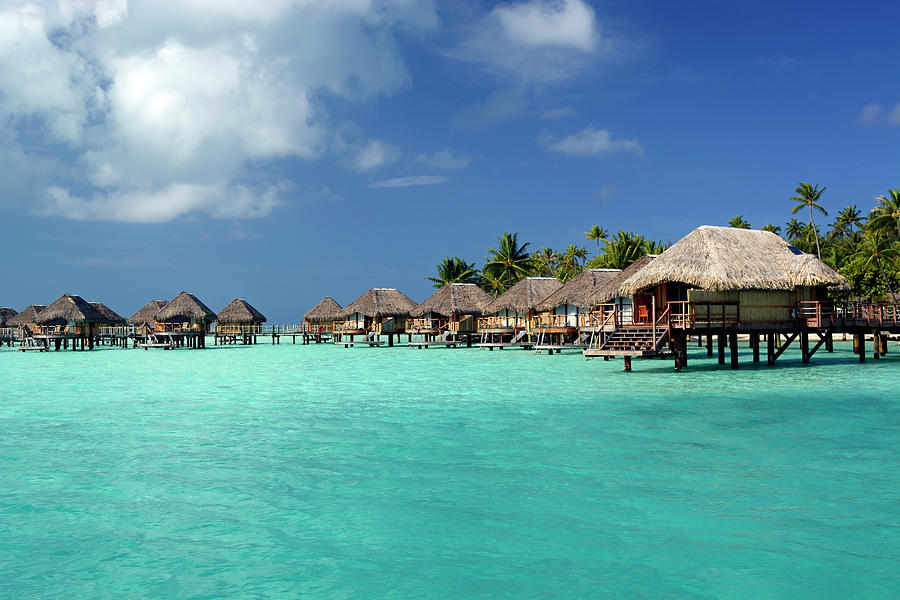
x=643 y=340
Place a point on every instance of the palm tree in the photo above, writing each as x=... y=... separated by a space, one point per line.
x=623 y=249
x=545 y=261
x=809 y=195
x=738 y=222
x=453 y=269
x=886 y=215
x=492 y=283
x=509 y=258
x=847 y=218
x=596 y=233
x=793 y=229
x=653 y=247
x=772 y=228
x=877 y=249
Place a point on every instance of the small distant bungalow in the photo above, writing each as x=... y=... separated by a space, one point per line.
x=26 y=318
x=564 y=312
x=239 y=320
x=147 y=314
x=449 y=313
x=507 y=319
x=184 y=319
x=722 y=280
x=8 y=333
x=321 y=317
x=70 y=317
x=380 y=311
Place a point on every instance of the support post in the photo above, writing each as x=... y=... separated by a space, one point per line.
x=829 y=342
x=876 y=344
x=770 y=343
x=861 y=344
x=627 y=363
x=721 y=348
x=709 y=349
x=754 y=343
x=734 y=349
x=804 y=345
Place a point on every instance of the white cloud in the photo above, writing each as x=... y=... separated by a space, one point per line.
x=445 y=159
x=539 y=23
x=413 y=180
x=161 y=205
x=558 y=113
x=170 y=106
x=591 y=142
x=536 y=40
x=875 y=114
x=374 y=154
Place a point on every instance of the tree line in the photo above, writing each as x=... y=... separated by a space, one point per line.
x=863 y=247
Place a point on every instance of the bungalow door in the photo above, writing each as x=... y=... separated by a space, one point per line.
x=643 y=308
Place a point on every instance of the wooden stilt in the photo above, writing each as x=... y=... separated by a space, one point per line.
x=709 y=345
x=804 y=345
x=754 y=343
x=627 y=363
x=770 y=343
x=732 y=338
x=861 y=344
x=829 y=342
x=721 y=348
x=876 y=344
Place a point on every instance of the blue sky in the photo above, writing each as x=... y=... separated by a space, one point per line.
x=293 y=149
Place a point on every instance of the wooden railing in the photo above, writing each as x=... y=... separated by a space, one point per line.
x=60 y=330
x=684 y=314
x=176 y=328
x=824 y=314
x=437 y=324
x=554 y=321
x=239 y=329
x=502 y=322
x=600 y=316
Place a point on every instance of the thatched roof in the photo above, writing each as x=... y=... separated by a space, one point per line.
x=6 y=313
x=455 y=299
x=110 y=316
x=326 y=310
x=186 y=306
x=148 y=313
x=727 y=258
x=581 y=290
x=240 y=311
x=381 y=302
x=70 y=307
x=26 y=317
x=525 y=295
x=610 y=289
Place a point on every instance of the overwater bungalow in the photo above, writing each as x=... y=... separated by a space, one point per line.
x=450 y=314
x=26 y=318
x=8 y=333
x=723 y=281
x=380 y=311
x=507 y=319
x=69 y=318
x=183 y=321
x=147 y=314
x=564 y=312
x=320 y=318
x=112 y=318
x=238 y=321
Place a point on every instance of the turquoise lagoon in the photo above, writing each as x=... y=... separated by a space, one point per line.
x=323 y=472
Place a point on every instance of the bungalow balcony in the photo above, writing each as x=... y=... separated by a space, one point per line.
x=238 y=329
x=499 y=324
x=431 y=325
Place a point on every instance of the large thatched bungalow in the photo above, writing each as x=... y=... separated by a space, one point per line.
x=185 y=318
x=378 y=311
x=239 y=320
x=723 y=280
x=70 y=317
x=450 y=311
x=112 y=318
x=7 y=332
x=718 y=276
x=321 y=317
x=508 y=317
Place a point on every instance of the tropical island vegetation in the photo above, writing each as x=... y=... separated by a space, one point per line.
x=863 y=247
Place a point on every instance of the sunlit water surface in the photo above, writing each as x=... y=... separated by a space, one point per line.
x=323 y=472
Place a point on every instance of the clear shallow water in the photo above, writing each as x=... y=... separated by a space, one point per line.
x=276 y=472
